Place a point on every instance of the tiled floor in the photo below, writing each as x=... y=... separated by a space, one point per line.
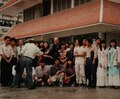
x=60 y=93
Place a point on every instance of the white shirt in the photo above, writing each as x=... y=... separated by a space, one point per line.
x=6 y=50
x=15 y=51
x=40 y=72
x=80 y=59
x=30 y=50
x=19 y=49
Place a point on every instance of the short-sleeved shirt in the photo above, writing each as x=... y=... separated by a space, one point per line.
x=6 y=50
x=30 y=50
x=53 y=70
x=40 y=72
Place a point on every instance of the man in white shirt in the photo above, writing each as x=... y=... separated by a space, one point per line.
x=28 y=53
x=79 y=53
x=6 y=53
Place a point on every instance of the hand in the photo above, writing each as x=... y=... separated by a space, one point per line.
x=39 y=80
x=100 y=65
x=57 y=73
x=118 y=64
x=93 y=61
x=51 y=57
x=76 y=52
x=8 y=61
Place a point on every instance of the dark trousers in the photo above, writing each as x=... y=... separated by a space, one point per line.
x=88 y=70
x=6 y=73
x=72 y=81
x=44 y=79
x=94 y=73
x=25 y=62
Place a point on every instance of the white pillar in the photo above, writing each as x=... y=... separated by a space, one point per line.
x=101 y=35
x=72 y=3
x=51 y=6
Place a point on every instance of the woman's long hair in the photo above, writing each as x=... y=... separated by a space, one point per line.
x=45 y=49
x=113 y=41
x=102 y=42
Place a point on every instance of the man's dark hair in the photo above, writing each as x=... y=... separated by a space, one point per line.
x=98 y=39
x=6 y=37
x=13 y=40
x=90 y=41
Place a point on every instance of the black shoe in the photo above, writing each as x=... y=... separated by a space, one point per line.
x=3 y=85
x=77 y=85
x=14 y=86
x=31 y=87
x=116 y=87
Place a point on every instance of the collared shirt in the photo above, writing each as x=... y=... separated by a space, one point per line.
x=30 y=50
x=40 y=72
x=6 y=50
x=19 y=48
x=79 y=50
x=15 y=51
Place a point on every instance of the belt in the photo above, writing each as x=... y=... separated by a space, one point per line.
x=27 y=57
x=88 y=58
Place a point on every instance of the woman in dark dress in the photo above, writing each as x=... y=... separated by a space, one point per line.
x=47 y=55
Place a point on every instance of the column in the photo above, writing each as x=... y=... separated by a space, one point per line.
x=72 y=3
x=101 y=35
x=51 y=6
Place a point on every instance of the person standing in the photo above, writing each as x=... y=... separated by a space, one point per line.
x=28 y=53
x=19 y=48
x=95 y=62
x=47 y=56
x=102 y=65
x=54 y=48
x=79 y=53
x=113 y=65
x=89 y=59
x=70 y=53
x=6 y=53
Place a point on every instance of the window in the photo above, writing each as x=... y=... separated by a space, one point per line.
x=33 y=12
x=59 y=5
x=79 y=2
x=29 y=14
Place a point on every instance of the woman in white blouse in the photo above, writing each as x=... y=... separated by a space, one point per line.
x=102 y=66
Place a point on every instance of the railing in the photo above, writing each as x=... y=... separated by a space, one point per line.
x=8 y=23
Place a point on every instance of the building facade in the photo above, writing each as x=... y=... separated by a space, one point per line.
x=67 y=19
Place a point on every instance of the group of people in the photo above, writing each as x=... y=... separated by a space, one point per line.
x=60 y=64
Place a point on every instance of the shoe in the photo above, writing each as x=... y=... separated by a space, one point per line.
x=14 y=86
x=77 y=85
x=60 y=84
x=31 y=87
x=116 y=87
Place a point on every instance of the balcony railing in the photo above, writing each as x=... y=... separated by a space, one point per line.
x=8 y=23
